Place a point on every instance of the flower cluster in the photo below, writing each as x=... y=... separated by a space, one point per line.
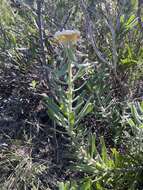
x=67 y=36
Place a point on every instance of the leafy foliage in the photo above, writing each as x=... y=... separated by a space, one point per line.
x=111 y=169
x=84 y=93
x=69 y=108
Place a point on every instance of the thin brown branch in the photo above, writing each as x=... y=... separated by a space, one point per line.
x=113 y=64
x=40 y=24
x=114 y=48
x=91 y=34
x=140 y=6
x=41 y=29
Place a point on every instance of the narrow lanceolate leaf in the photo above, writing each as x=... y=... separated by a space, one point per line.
x=72 y=118
x=92 y=146
x=117 y=158
x=55 y=112
x=80 y=73
x=62 y=186
x=135 y=114
x=131 y=122
x=140 y=108
x=141 y=104
x=78 y=107
x=86 y=185
x=103 y=151
x=80 y=87
x=62 y=70
x=88 y=107
x=76 y=98
x=132 y=21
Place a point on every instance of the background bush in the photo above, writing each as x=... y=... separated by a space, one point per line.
x=103 y=149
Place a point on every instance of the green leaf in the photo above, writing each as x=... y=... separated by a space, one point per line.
x=99 y=187
x=92 y=146
x=130 y=20
x=33 y=84
x=86 y=185
x=78 y=106
x=62 y=71
x=117 y=158
x=122 y=19
x=135 y=115
x=55 y=112
x=103 y=151
x=72 y=118
x=75 y=90
x=62 y=186
x=141 y=104
x=88 y=107
x=131 y=123
x=80 y=73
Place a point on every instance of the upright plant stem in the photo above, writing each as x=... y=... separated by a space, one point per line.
x=69 y=55
x=70 y=86
x=70 y=92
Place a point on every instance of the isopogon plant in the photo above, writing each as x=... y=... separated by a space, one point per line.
x=67 y=108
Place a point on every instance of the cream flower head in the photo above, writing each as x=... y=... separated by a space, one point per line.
x=67 y=36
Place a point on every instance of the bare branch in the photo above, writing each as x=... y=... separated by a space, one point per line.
x=66 y=19
x=41 y=29
x=91 y=34
x=114 y=48
x=140 y=5
x=40 y=24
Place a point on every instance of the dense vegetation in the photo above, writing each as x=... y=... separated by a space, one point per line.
x=71 y=113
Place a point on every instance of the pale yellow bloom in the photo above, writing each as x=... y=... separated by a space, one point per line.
x=67 y=36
